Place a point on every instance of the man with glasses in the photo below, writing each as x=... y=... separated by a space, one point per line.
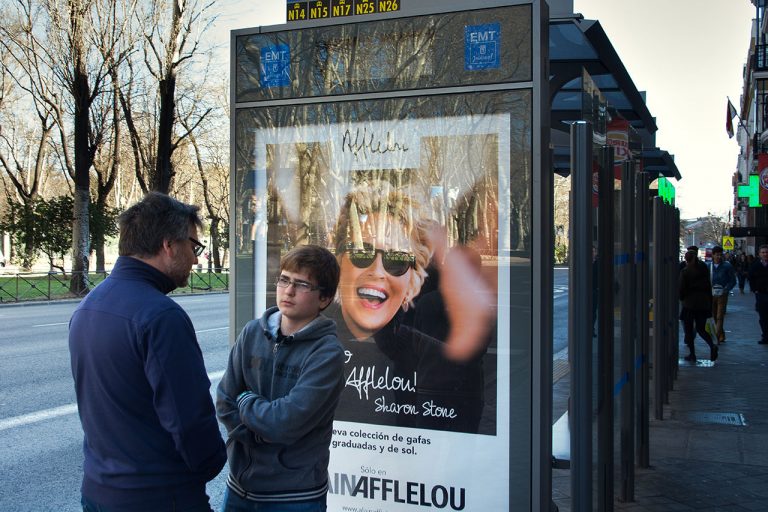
x=151 y=437
x=278 y=395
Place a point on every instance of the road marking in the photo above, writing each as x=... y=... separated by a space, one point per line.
x=65 y=323
x=215 y=375
x=63 y=410
x=35 y=417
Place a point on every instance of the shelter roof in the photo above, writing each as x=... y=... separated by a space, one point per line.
x=575 y=45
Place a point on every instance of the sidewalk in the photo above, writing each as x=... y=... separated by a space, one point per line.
x=710 y=452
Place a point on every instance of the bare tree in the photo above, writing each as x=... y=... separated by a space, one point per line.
x=210 y=153
x=26 y=85
x=82 y=33
x=713 y=228
x=172 y=39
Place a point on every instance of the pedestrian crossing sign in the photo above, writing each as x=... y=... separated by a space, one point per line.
x=727 y=243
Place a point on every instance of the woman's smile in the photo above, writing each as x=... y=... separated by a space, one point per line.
x=372 y=297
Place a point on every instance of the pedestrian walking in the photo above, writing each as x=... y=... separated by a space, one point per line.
x=694 y=249
x=758 y=283
x=695 y=293
x=151 y=437
x=740 y=266
x=723 y=280
x=280 y=390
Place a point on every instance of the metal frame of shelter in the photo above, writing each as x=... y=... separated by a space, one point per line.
x=265 y=66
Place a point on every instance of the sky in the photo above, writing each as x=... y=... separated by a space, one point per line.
x=689 y=60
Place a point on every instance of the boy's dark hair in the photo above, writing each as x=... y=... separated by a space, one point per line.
x=158 y=217
x=717 y=248
x=318 y=263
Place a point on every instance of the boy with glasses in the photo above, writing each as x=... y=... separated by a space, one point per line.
x=278 y=395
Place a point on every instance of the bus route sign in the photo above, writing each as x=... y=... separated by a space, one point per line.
x=323 y=9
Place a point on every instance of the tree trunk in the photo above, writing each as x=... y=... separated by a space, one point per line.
x=79 y=283
x=98 y=239
x=213 y=251
x=161 y=181
x=100 y=259
x=81 y=94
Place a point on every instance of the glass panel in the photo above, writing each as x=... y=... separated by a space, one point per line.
x=407 y=53
x=356 y=176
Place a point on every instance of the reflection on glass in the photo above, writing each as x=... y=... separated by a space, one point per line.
x=367 y=179
x=407 y=53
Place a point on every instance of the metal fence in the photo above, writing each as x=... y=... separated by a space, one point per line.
x=31 y=286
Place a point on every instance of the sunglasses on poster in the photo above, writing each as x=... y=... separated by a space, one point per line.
x=395 y=263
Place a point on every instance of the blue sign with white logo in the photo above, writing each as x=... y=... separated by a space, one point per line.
x=275 y=66
x=482 y=45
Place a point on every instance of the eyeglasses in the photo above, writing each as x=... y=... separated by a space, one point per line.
x=396 y=263
x=197 y=246
x=299 y=286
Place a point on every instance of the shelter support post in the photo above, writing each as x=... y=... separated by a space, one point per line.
x=626 y=384
x=642 y=377
x=605 y=338
x=659 y=294
x=580 y=315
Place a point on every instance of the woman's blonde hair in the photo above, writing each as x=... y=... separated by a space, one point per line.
x=381 y=198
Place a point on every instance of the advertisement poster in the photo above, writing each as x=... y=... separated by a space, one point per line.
x=762 y=172
x=618 y=137
x=410 y=422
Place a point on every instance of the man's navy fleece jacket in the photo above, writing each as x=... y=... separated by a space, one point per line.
x=142 y=392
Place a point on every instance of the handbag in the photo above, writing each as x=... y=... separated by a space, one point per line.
x=710 y=327
x=717 y=290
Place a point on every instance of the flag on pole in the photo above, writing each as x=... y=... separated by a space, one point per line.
x=730 y=114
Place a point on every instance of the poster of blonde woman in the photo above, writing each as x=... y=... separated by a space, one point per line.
x=386 y=191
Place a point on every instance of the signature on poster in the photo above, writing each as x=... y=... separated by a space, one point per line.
x=366 y=143
x=365 y=378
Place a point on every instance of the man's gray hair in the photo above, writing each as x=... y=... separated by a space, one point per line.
x=156 y=218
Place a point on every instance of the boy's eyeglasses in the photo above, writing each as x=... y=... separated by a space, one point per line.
x=197 y=246
x=395 y=263
x=299 y=286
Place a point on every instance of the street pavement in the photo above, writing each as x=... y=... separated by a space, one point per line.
x=40 y=435
x=710 y=452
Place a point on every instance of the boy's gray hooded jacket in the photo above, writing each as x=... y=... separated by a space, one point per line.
x=277 y=399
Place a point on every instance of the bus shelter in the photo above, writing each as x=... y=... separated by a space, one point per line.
x=622 y=335
x=355 y=126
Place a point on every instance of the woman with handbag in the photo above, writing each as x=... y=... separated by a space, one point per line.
x=696 y=297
